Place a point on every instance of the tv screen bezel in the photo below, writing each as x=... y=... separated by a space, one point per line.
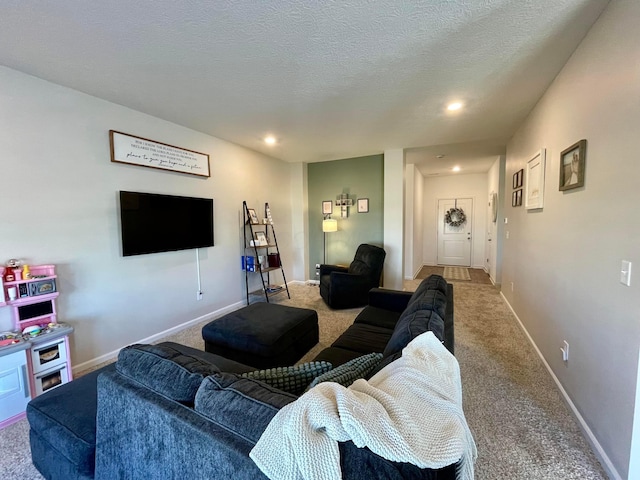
x=130 y=252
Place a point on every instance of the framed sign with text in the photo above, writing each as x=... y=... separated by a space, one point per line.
x=140 y=151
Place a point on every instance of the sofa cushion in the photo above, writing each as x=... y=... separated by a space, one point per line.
x=242 y=405
x=164 y=369
x=351 y=371
x=336 y=356
x=427 y=300
x=432 y=282
x=364 y=338
x=411 y=326
x=63 y=428
x=290 y=379
x=378 y=317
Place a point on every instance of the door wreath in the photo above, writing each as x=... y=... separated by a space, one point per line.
x=455 y=217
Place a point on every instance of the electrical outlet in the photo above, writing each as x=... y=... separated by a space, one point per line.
x=625 y=273
x=198 y=295
x=507 y=234
x=565 y=352
x=512 y=286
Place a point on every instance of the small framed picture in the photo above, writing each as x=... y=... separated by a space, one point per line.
x=572 y=166
x=363 y=205
x=261 y=238
x=515 y=181
x=327 y=207
x=516 y=198
x=253 y=217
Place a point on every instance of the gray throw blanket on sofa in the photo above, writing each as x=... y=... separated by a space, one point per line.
x=410 y=411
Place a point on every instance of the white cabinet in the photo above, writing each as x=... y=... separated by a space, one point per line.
x=14 y=386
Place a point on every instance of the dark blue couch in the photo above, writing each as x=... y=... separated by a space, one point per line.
x=167 y=411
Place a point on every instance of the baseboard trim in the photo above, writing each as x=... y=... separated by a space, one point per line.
x=157 y=336
x=588 y=433
x=170 y=331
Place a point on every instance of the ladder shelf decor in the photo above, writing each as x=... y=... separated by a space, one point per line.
x=260 y=239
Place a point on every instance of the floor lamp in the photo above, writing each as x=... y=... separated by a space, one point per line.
x=328 y=225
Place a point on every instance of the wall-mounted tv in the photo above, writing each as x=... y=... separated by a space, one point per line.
x=152 y=223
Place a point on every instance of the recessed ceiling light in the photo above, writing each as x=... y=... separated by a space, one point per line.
x=454 y=106
x=456 y=168
x=270 y=140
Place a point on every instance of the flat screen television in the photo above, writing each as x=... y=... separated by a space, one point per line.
x=152 y=223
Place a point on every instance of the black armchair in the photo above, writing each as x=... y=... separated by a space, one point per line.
x=343 y=287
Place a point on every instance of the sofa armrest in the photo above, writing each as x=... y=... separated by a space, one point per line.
x=349 y=281
x=327 y=269
x=393 y=300
x=141 y=434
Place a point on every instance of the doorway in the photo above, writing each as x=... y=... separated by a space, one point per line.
x=454 y=231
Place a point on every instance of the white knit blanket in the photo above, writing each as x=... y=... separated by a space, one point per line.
x=410 y=411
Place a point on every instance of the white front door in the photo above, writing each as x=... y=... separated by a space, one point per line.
x=454 y=238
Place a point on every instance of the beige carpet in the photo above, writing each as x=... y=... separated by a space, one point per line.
x=456 y=273
x=521 y=425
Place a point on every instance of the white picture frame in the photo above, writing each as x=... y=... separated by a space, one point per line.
x=534 y=191
x=363 y=205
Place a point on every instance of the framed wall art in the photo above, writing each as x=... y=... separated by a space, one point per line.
x=363 y=205
x=534 y=190
x=141 y=151
x=516 y=198
x=518 y=178
x=327 y=207
x=572 y=164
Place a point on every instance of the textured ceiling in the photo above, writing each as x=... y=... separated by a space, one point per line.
x=330 y=79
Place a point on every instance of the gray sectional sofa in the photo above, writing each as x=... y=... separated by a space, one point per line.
x=170 y=411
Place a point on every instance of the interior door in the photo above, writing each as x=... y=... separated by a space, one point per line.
x=454 y=233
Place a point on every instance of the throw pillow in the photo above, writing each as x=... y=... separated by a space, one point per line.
x=290 y=379
x=349 y=372
x=165 y=370
x=241 y=405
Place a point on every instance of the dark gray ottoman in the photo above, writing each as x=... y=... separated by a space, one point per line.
x=263 y=335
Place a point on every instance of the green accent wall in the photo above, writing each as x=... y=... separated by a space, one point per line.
x=361 y=177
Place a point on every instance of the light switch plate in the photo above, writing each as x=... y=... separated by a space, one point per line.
x=625 y=273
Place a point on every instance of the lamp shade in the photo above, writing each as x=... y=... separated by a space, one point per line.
x=330 y=225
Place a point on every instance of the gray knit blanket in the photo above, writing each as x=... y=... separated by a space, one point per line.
x=410 y=411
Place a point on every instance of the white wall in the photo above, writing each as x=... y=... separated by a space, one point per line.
x=413 y=222
x=59 y=206
x=409 y=202
x=455 y=186
x=394 y=218
x=418 y=223
x=564 y=260
x=495 y=179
